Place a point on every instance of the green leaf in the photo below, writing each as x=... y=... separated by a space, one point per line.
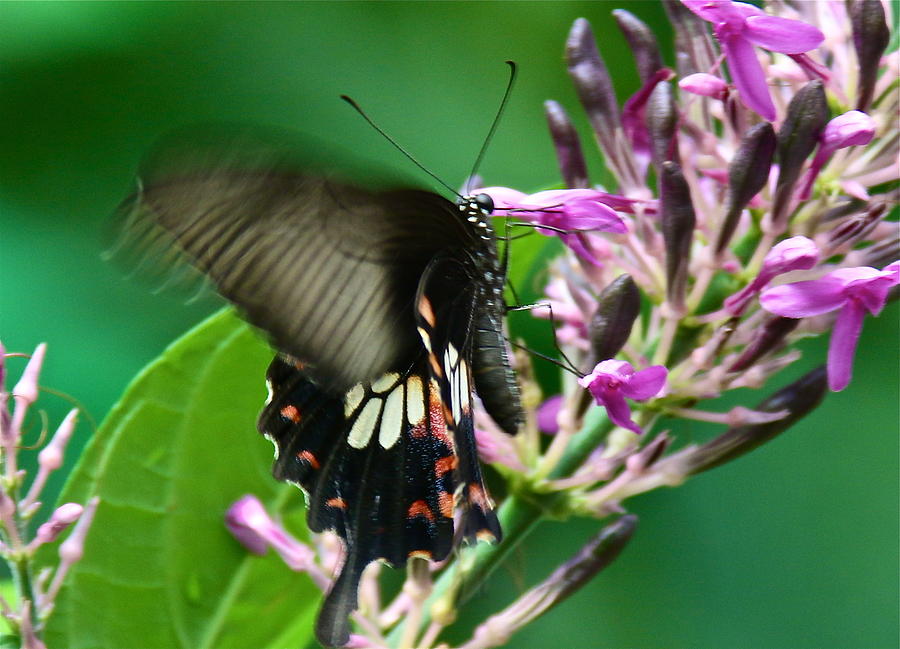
x=160 y=569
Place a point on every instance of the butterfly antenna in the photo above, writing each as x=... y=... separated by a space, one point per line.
x=569 y=366
x=496 y=122
x=387 y=137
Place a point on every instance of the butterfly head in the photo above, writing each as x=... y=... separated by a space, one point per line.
x=477 y=208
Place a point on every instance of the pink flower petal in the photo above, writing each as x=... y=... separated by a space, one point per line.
x=782 y=34
x=706 y=85
x=713 y=11
x=842 y=346
x=547 y=414
x=646 y=384
x=618 y=411
x=502 y=196
x=748 y=75
x=804 y=299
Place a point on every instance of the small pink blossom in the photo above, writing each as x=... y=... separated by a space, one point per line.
x=853 y=291
x=796 y=253
x=739 y=26
x=611 y=381
x=706 y=85
x=250 y=524
x=853 y=128
x=548 y=413
x=567 y=213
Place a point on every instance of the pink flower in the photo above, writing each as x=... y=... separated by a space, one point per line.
x=547 y=414
x=567 y=213
x=853 y=128
x=796 y=253
x=706 y=85
x=611 y=381
x=738 y=27
x=250 y=524
x=852 y=290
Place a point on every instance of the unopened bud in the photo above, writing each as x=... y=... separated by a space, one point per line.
x=692 y=41
x=871 y=36
x=747 y=175
x=678 y=220
x=767 y=338
x=642 y=42
x=593 y=84
x=568 y=148
x=798 y=399
x=64 y=516
x=807 y=115
x=662 y=123
x=618 y=306
x=27 y=387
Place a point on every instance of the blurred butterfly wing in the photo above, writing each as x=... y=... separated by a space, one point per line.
x=328 y=270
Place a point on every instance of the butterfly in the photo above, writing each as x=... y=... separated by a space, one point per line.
x=385 y=307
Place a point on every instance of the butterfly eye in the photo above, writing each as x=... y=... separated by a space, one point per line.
x=485 y=203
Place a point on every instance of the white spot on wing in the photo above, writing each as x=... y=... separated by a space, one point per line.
x=353 y=399
x=464 y=391
x=426 y=339
x=385 y=382
x=270 y=392
x=392 y=419
x=415 y=401
x=362 y=429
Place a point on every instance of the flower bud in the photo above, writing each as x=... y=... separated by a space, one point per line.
x=692 y=41
x=662 y=124
x=870 y=38
x=568 y=148
x=807 y=114
x=705 y=85
x=678 y=221
x=593 y=84
x=642 y=42
x=64 y=516
x=766 y=339
x=618 y=306
x=798 y=399
x=747 y=175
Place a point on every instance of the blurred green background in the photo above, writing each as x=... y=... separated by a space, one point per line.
x=792 y=546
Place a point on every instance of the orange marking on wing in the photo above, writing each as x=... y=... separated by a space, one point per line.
x=309 y=457
x=485 y=534
x=337 y=503
x=422 y=554
x=291 y=413
x=445 y=504
x=478 y=497
x=435 y=365
x=445 y=464
x=427 y=311
x=420 y=508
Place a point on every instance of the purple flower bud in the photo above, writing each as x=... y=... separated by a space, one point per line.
x=72 y=549
x=250 y=524
x=593 y=84
x=547 y=414
x=796 y=253
x=799 y=134
x=27 y=387
x=678 y=222
x=705 y=85
x=871 y=37
x=611 y=381
x=642 y=42
x=692 y=41
x=568 y=148
x=618 y=306
x=662 y=124
x=64 y=516
x=766 y=338
x=854 y=291
x=747 y=175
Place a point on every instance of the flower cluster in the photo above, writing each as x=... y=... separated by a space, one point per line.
x=36 y=594
x=754 y=187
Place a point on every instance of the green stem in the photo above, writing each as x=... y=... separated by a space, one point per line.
x=596 y=427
